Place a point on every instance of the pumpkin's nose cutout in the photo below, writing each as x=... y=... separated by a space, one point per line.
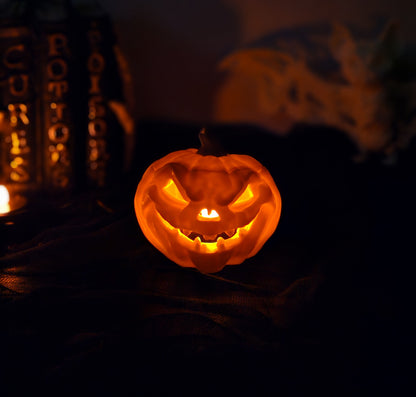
x=206 y=215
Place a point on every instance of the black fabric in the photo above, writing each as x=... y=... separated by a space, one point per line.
x=88 y=306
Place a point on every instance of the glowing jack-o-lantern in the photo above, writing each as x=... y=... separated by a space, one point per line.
x=207 y=211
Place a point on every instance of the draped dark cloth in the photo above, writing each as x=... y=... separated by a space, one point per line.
x=88 y=305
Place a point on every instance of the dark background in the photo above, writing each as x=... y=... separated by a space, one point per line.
x=174 y=47
x=88 y=306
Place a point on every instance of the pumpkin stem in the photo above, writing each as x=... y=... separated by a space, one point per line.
x=209 y=145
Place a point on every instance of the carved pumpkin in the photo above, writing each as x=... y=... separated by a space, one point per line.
x=207 y=211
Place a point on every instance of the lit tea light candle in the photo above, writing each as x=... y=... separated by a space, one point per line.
x=4 y=200
x=13 y=214
x=10 y=203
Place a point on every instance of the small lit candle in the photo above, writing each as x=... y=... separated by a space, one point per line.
x=10 y=203
x=13 y=211
x=4 y=200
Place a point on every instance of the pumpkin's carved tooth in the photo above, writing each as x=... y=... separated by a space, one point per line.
x=223 y=235
x=197 y=243
x=243 y=232
x=209 y=238
x=231 y=232
x=192 y=235
x=220 y=244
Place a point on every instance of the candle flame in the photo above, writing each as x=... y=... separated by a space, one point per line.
x=4 y=200
x=208 y=215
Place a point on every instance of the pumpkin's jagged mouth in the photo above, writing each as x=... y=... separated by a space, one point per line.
x=209 y=244
x=209 y=238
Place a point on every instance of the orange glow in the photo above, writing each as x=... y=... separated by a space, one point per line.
x=209 y=214
x=244 y=198
x=22 y=111
x=173 y=192
x=204 y=247
x=18 y=161
x=212 y=215
x=55 y=157
x=4 y=200
x=15 y=144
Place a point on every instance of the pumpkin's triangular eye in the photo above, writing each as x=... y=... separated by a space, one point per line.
x=172 y=191
x=244 y=198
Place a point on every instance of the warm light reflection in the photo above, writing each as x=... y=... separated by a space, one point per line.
x=18 y=111
x=4 y=200
x=184 y=205
x=212 y=247
x=173 y=192
x=211 y=215
x=244 y=197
